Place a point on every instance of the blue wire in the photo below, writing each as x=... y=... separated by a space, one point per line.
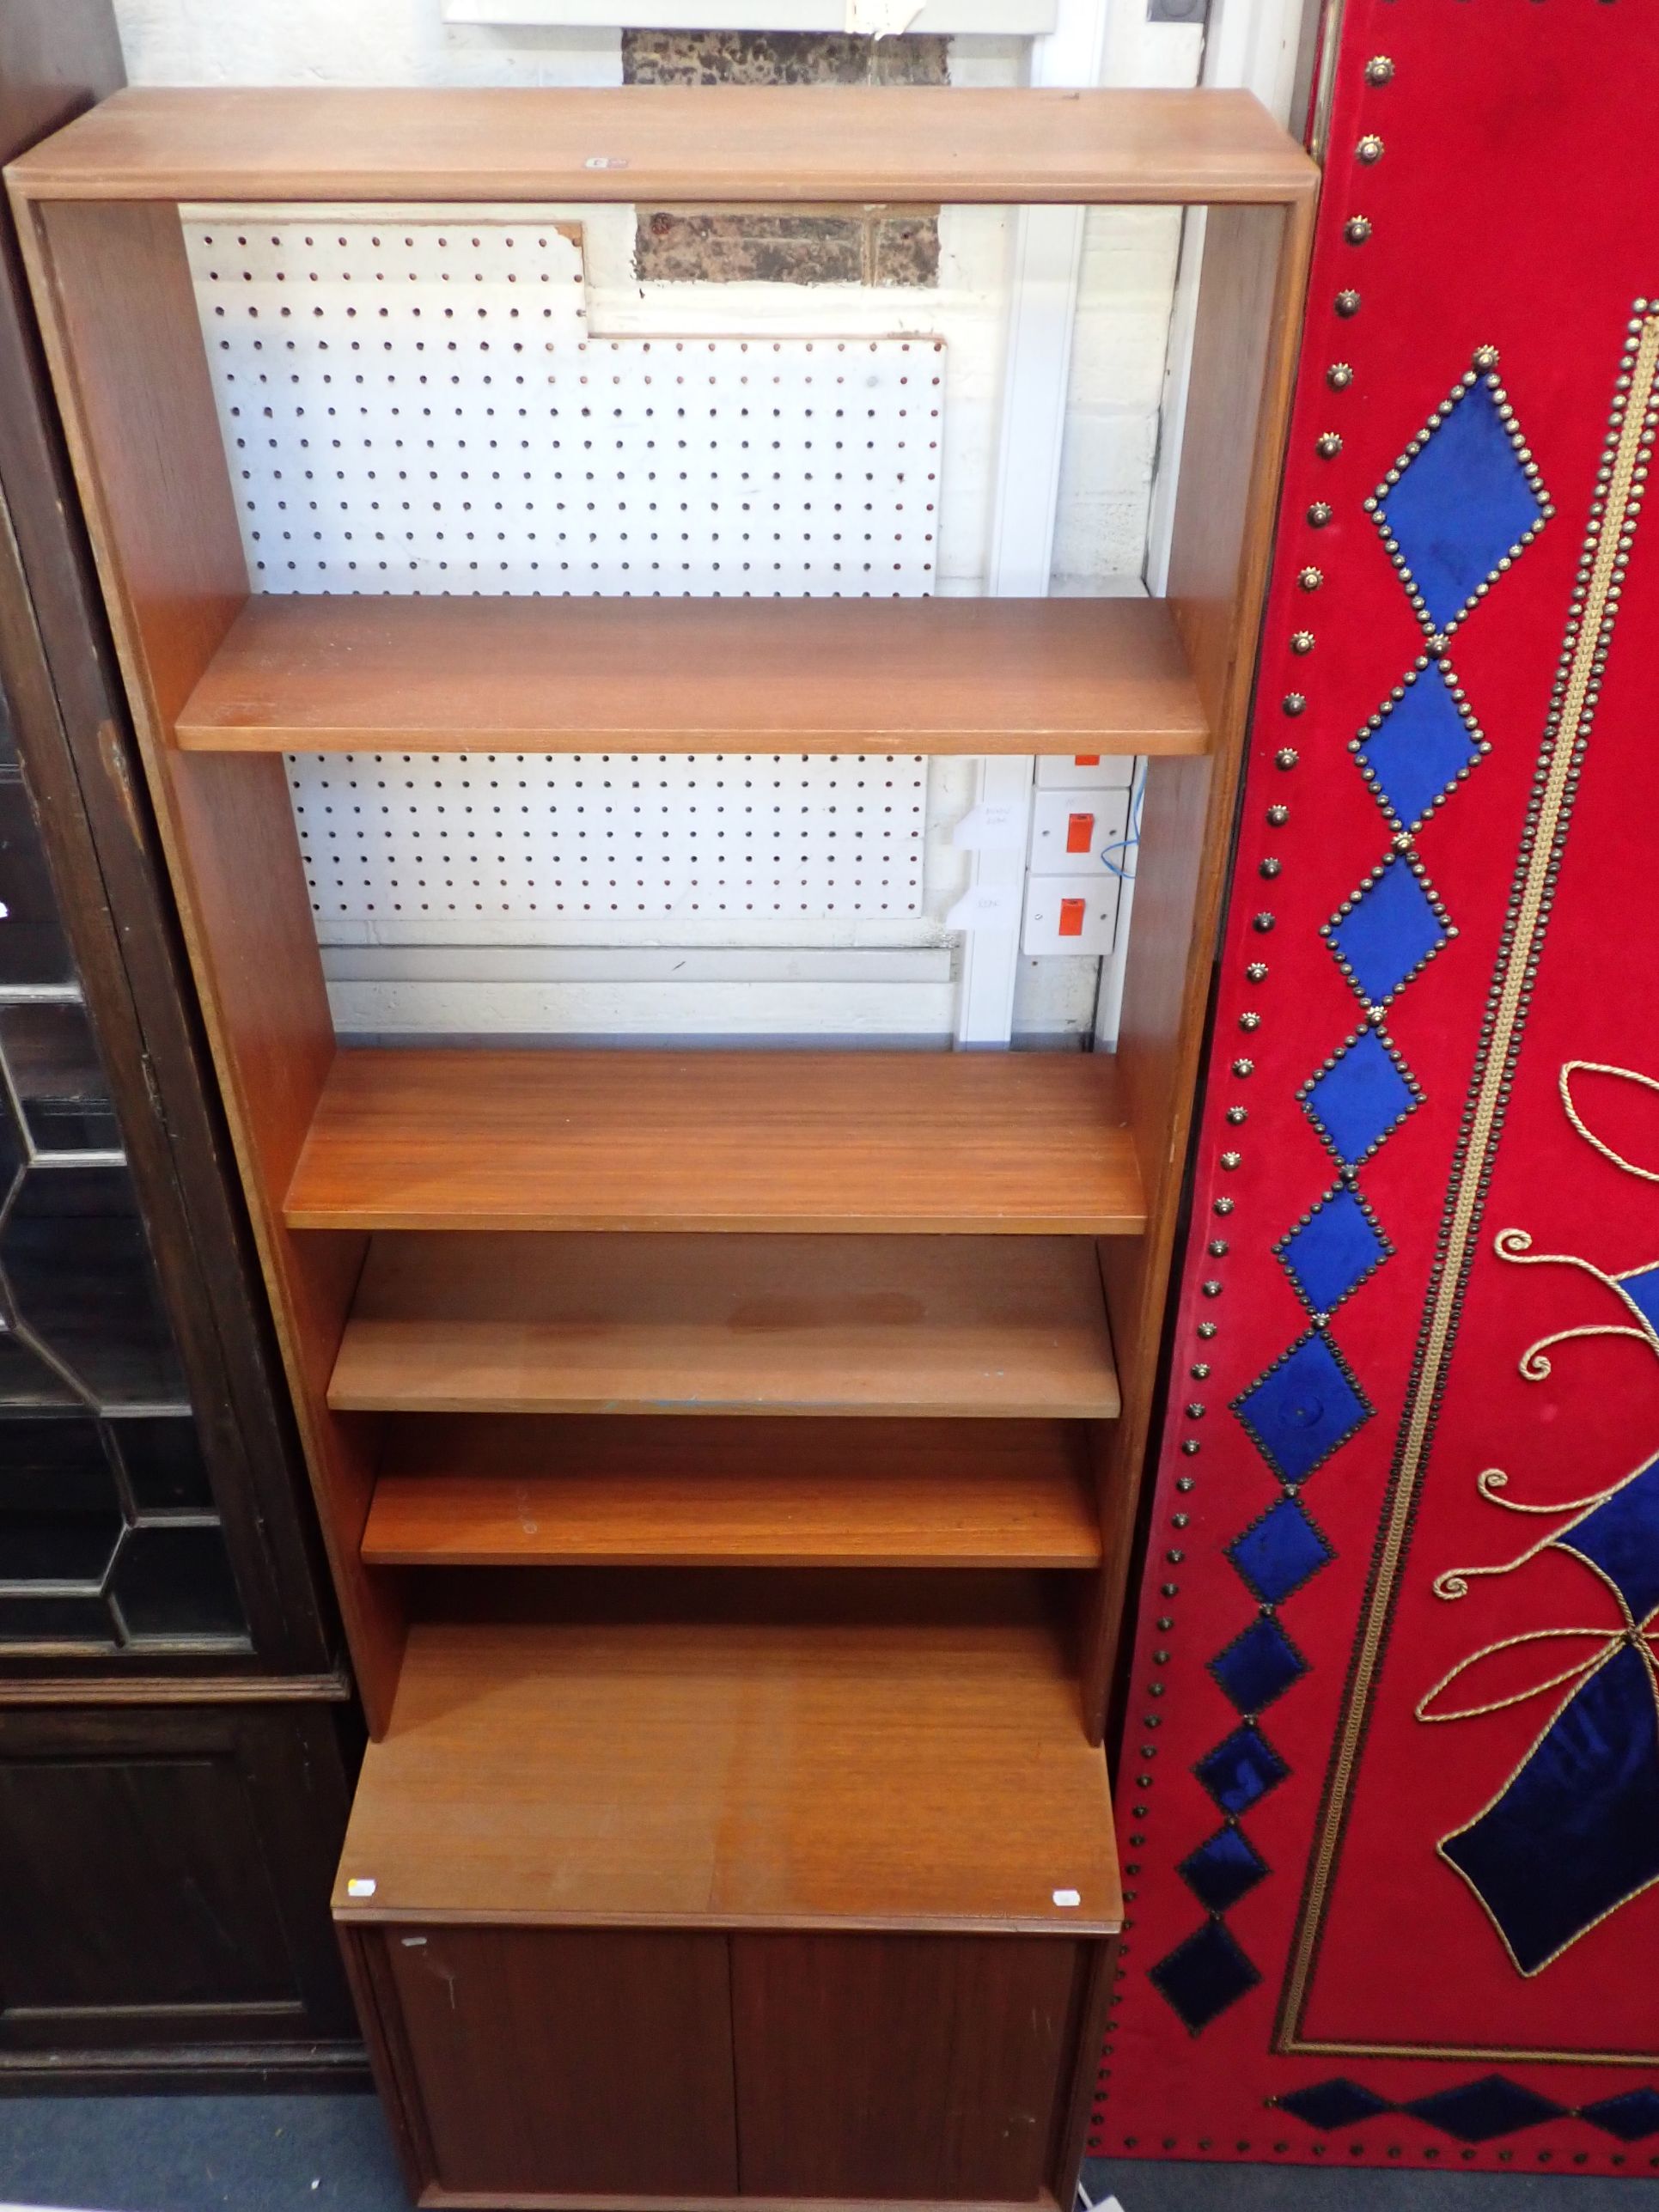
x=1127 y=844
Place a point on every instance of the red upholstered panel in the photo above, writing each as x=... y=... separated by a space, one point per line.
x=1389 y=1790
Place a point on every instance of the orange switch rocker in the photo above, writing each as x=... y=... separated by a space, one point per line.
x=1071 y=917
x=1079 y=832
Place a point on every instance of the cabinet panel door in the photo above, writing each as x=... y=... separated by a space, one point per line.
x=560 y=2061
x=900 y=2066
x=164 y=1878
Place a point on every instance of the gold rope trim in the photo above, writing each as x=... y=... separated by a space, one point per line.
x=1607 y=530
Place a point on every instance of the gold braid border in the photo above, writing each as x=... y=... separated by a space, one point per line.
x=1594 y=605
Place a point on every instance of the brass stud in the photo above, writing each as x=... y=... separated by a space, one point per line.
x=1356 y=230
x=1328 y=444
x=1347 y=302
x=1301 y=641
x=1263 y=922
x=1310 y=579
x=1379 y=69
x=1244 y=1067
x=1286 y=756
x=1369 y=148
x=1485 y=357
x=1319 y=514
x=1256 y=972
x=1271 y=867
x=1277 y=816
x=1338 y=376
x=1294 y=703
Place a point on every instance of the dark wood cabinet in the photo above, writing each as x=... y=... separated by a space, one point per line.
x=162 y=1874
x=154 y=1519
x=176 y=1740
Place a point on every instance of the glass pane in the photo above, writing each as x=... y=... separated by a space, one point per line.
x=60 y=1512
x=32 y=945
x=55 y=1620
x=163 y=1460
x=55 y=1072
x=77 y=1263
x=177 y=1581
x=27 y=1380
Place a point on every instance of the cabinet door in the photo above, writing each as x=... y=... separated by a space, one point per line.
x=901 y=2066
x=164 y=1876
x=556 y=2061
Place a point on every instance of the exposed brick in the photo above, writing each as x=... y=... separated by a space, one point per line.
x=721 y=247
x=748 y=246
x=903 y=248
x=781 y=57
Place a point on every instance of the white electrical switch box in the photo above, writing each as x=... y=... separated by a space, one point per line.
x=1085 y=771
x=1071 y=830
x=1070 y=914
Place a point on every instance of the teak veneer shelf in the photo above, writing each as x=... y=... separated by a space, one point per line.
x=787 y=1773
x=991 y=1327
x=1018 y=1144
x=718 y=1847
x=301 y=674
x=494 y=1490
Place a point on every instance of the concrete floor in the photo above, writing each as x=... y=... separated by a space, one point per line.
x=331 y=2155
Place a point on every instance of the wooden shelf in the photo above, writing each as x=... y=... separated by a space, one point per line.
x=496 y=1491
x=914 y=1143
x=302 y=674
x=919 y=1775
x=989 y=1327
x=766 y=145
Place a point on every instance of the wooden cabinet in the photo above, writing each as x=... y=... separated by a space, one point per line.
x=923 y=2067
x=736 y=1828
x=161 y=1869
x=176 y=1740
x=566 y=2060
x=536 y=2063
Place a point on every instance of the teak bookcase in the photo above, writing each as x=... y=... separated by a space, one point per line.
x=717 y=1846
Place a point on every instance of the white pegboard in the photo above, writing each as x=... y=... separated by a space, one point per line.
x=414 y=403
x=417 y=405
x=610 y=838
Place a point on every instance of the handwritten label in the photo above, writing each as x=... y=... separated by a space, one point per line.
x=987 y=906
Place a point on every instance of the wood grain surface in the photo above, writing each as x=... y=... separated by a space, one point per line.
x=925 y=1774
x=999 y=1144
x=498 y=1491
x=618 y=1325
x=302 y=674
x=766 y=144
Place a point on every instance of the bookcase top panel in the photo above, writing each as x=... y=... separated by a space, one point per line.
x=763 y=143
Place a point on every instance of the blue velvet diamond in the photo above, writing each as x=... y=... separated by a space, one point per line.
x=1241 y=1769
x=1224 y=1867
x=1337 y=2103
x=1201 y=1978
x=1359 y=1100
x=1302 y=1408
x=1479 y=2110
x=1632 y=2118
x=1418 y=747
x=1391 y=927
x=1332 y=1251
x=1575 y=1833
x=1462 y=502
x=1641 y=1287
x=1620 y=1538
x=1258 y=1666
x=1276 y=1554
